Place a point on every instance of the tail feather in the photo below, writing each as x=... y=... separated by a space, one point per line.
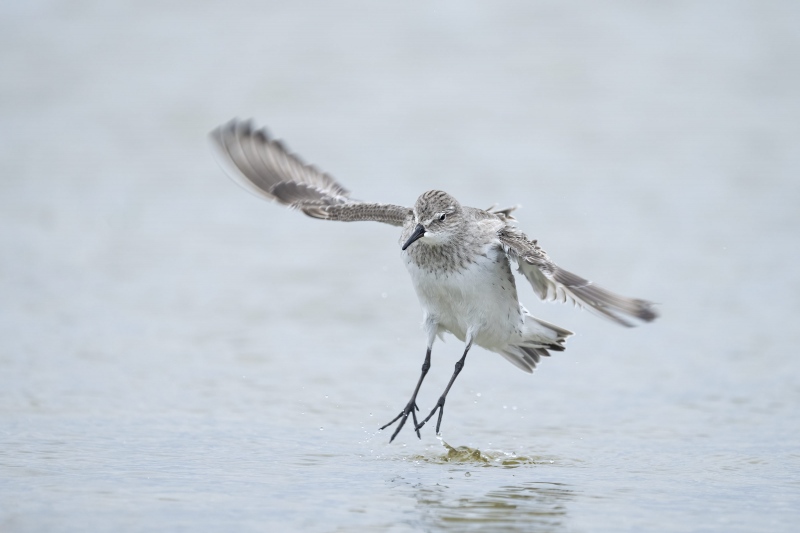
x=538 y=338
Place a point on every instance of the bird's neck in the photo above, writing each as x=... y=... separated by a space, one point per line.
x=454 y=255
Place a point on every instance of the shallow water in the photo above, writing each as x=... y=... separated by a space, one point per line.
x=176 y=354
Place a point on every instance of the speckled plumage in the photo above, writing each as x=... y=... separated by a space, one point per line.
x=458 y=258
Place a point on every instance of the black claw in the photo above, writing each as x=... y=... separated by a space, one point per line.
x=403 y=416
x=399 y=427
x=439 y=421
x=439 y=407
x=392 y=422
x=414 y=416
x=411 y=407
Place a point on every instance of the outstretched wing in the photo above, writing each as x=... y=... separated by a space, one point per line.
x=265 y=167
x=553 y=283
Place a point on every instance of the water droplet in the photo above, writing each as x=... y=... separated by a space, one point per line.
x=467 y=474
x=384 y=295
x=322 y=428
x=478 y=395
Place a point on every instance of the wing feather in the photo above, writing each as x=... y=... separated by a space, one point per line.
x=553 y=283
x=265 y=167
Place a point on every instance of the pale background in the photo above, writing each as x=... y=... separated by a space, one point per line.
x=178 y=355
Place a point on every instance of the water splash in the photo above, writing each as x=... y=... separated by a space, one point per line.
x=488 y=458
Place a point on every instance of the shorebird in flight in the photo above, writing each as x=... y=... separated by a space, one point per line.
x=459 y=259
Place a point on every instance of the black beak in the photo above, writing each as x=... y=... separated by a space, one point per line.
x=419 y=231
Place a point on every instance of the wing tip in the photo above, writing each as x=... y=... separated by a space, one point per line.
x=646 y=311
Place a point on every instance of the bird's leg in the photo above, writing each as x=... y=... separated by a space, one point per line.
x=411 y=407
x=440 y=403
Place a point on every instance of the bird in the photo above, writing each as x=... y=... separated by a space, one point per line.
x=459 y=259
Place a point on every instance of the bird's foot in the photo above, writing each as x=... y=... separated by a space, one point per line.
x=411 y=409
x=439 y=407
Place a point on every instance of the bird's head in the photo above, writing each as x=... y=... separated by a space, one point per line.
x=438 y=218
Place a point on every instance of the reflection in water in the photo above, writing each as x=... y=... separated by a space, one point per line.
x=529 y=506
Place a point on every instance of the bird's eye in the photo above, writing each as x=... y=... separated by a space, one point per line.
x=442 y=217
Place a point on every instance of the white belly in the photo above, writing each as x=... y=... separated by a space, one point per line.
x=481 y=298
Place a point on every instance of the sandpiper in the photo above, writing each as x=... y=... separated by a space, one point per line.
x=459 y=259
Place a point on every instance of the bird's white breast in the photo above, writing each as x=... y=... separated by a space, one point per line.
x=481 y=297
